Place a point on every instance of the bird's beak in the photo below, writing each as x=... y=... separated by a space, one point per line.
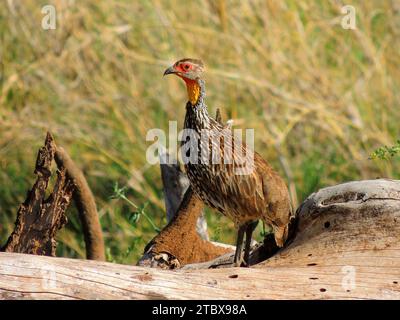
x=170 y=70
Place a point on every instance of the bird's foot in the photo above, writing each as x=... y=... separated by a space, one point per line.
x=245 y=264
x=241 y=263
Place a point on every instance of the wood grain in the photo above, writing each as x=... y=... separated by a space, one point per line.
x=346 y=247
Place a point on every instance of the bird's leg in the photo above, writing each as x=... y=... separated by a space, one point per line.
x=239 y=244
x=250 y=227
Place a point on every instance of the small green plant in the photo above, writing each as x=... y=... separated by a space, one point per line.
x=109 y=256
x=217 y=234
x=131 y=249
x=120 y=193
x=385 y=152
x=263 y=232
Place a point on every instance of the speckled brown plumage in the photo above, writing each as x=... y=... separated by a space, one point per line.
x=243 y=196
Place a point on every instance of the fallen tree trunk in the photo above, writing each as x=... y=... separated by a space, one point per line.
x=346 y=246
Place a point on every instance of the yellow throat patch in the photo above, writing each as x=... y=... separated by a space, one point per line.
x=193 y=90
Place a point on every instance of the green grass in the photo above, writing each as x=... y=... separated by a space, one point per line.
x=319 y=97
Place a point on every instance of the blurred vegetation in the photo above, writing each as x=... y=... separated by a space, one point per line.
x=320 y=98
x=385 y=152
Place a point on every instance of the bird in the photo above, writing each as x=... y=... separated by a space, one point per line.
x=241 y=185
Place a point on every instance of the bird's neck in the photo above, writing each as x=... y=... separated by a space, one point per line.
x=196 y=110
x=193 y=88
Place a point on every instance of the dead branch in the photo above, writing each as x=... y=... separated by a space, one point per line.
x=38 y=218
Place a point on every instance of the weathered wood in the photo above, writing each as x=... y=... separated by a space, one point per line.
x=38 y=277
x=86 y=205
x=354 y=216
x=346 y=246
x=352 y=224
x=38 y=218
x=259 y=252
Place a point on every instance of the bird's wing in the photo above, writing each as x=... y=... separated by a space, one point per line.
x=241 y=178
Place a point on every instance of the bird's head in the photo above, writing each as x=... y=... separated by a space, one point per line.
x=190 y=70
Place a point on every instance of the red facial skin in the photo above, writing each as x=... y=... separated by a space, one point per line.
x=182 y=68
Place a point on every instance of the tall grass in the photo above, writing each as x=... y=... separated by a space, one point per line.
x=320 y=98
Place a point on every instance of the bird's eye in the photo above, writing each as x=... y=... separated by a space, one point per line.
x=186 y=67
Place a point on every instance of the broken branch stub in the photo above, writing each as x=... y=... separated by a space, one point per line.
x=39 y=218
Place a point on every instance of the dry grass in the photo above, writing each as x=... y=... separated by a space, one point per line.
x=319 y=97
